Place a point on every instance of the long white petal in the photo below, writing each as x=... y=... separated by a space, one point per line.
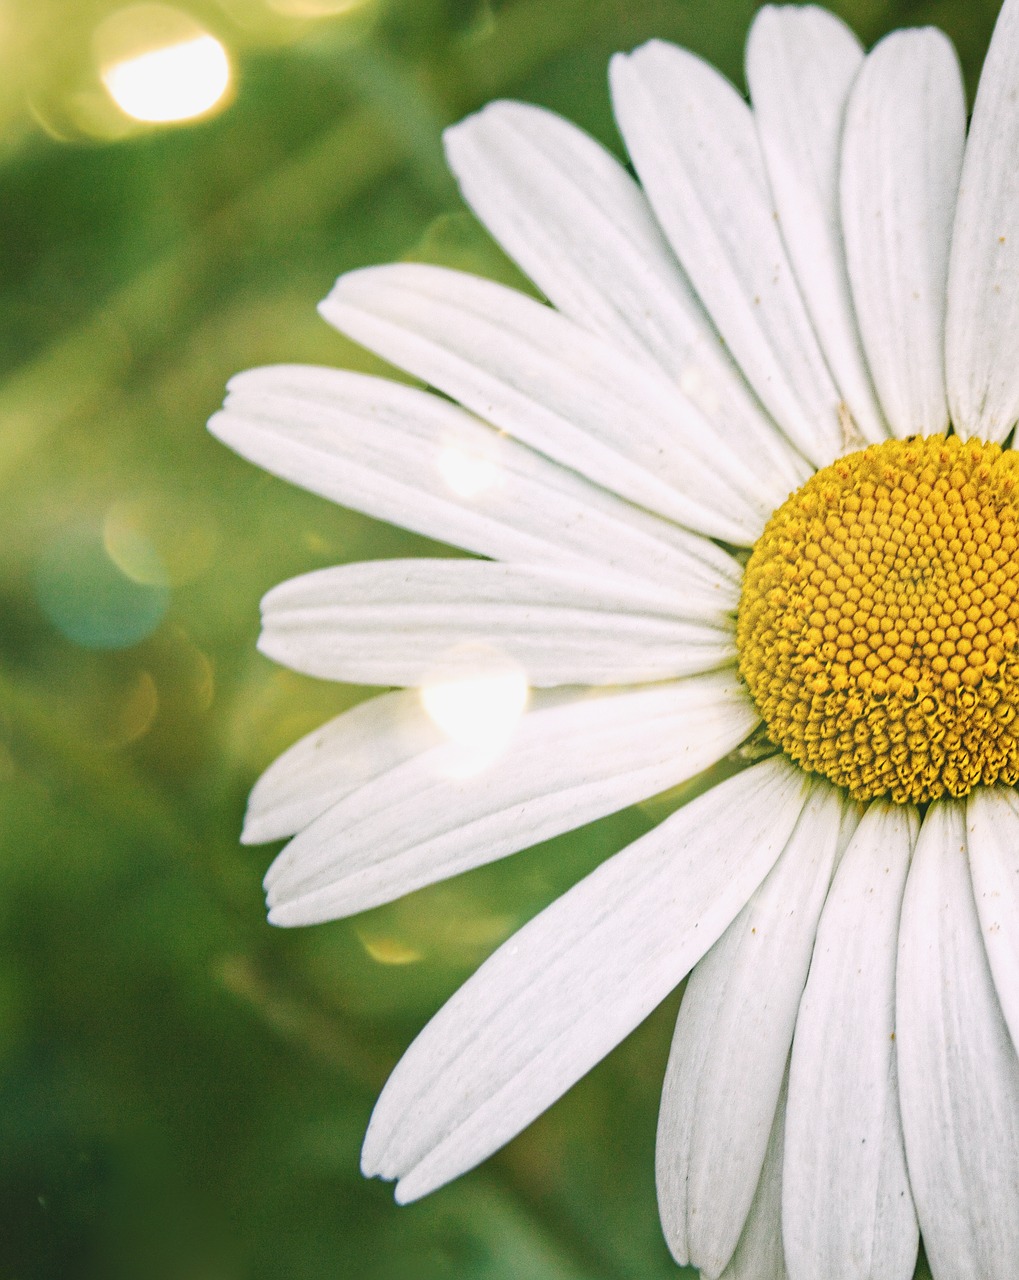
x=336 y=759
x=801 y=62
x=559 y=388
x=847 y=1212
x=402 y=455
x=759 y=1254
x=983 y=274
x=405 y=622
x=693 y=142
x=905 y=129
x=958 y=1072
x=555 y=998
x=992 y=816
x=731 y=1046
x=568 y=212
x=566 y=763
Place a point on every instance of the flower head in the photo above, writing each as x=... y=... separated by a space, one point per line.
x=749 y=474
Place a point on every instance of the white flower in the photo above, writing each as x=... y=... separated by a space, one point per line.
x=834 y=267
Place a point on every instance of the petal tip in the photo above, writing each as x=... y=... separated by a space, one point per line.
x=252 y=830
x=404 y=1194
x=221 y=424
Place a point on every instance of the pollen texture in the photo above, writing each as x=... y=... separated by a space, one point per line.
x=879 y=618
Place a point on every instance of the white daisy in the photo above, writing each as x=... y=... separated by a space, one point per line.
x=836 y=266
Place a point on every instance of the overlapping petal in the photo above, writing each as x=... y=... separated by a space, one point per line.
x=801 y=63
x=692 y=140
x=336 y=759
x=731 y=1046
x=405 y=622
x=571 y=758
x=847 y=1212
x=581 y=228
x=983 y=277
x=992 y=818
x=399 y=454
x=958 y=1071
x=904 y=134
x=564 y=990
x=559 y=388
x=759 y=1254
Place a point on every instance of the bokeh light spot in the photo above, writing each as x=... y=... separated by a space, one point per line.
x=316 y=8
x=138 y=710
x=89 y=599
x=477 y=710
x=159 y=65
x=159 y=542
x=467 y=473
x=132 y=553
x=388 y=951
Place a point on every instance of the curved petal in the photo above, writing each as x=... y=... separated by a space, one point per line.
x=567 y=762
x=564 y=990
x=568 y=212
x=557 y=387
x=992 y=817
x=731 y=1047
x=693 y=143
x=402 y=455
x=983 y=272
x=958 y=1072
x=334 y=760
x=905 y=129
x=759 y=1254
x=801 y=62
x=405 y=622
x=847 y=1211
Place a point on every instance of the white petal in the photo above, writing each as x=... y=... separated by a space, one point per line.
x=759 y=1254
x=801 y=62
x=555 y=998
x=693 y=142
x=546 y=381
x=958 y=1072
x=405 y=622
x=905 y=129
x=567 y=763
x=993 y=828
x=847 y=1212
x=577 y=223
x=334 y=760
x=983 y=275
x=399 y=454
x=731 y=1046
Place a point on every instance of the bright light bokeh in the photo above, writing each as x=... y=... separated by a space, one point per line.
x=467 y=474
x=177 y=83
x=315 y=8
x=159 y=65
x=158 y=540
x=477 y=713
x=388 y=950
x=129 y=549
x=88 y=598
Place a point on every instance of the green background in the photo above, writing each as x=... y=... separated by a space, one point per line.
x=183 y=1090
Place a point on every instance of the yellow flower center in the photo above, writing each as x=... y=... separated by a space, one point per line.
x=878 y=624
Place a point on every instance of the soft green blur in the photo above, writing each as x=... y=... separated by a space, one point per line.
x=184 y=1089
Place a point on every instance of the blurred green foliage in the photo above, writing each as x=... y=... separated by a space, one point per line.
x=183 y=1089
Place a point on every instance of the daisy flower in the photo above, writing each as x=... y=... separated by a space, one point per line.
x=743 y=491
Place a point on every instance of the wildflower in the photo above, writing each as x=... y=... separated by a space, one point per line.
x=796 y=337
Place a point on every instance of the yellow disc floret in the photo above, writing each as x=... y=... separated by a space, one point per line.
x=879 y=620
